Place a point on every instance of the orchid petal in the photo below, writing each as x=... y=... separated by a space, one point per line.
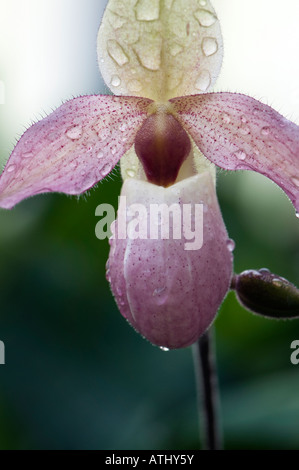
x=73 y=148
x=168 y=292
x=237 y=132
x=159 y=48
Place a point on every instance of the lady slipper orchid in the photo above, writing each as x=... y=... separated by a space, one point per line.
x=160 y=58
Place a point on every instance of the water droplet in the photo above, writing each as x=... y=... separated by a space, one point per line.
x=74 y=132
x=82 y=172
x=100 y=155
x=244 y=130
x=243 y=119
x=256 y=111
x=102 y=132
x=108 y=276
x=134 y=85
x=175 y=49
x=117 y=53
x=240 y=154
x=73 y=165
x=131 y=173
x=225 y=118
x=27 y=155
x=115 y=81
x=102 y=60
x=264 y=270
x=265 y=130
x=159 y=291
x=295 y=180
x=204 y=81
x=164 y=349
x=119 y=291
x=277 y=282
x=11 y=168
x=114 y=150
x=203 y=3
x=209 y=46
x=149 y=52
x=106 y=169
x=123 y=127
x=205 y=17
x=230 y=245
x=146 y=13
x=116 y=20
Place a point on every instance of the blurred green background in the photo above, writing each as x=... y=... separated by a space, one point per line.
x=76 y=375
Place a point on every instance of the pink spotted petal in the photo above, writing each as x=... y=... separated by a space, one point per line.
x=237 y=132
x=170 y=293
x=73 y=148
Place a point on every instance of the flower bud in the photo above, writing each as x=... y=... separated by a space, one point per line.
x=267 y=294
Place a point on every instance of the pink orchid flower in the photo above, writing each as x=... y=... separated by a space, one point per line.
x=160 y=58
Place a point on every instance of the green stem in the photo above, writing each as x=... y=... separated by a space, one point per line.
x=207 y=390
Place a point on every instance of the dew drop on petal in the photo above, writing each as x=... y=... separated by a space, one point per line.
x=244 y=130
x=202 y=3
x=144 y=13
x=100 y=155
x=106 y=169
x=11 y=168
x=225 y=118
x=114 y=150
x=265 y=130
x=27 y=155
x=74 y=132
x=243 y=119
x=82 y=172
x=115 y=81
x=164 y=349
x=108 y=275
x=230 y=245
x=159 y=291
x=131 y=173
x=240 y=154
x=123 y=127
x=205 y=18
x=117 y=53
x=119 y=291
x=175 y=49
x=295 y=180
x=204 y=81
x=209 y=46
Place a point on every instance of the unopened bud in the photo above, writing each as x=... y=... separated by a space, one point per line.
x=266 y=294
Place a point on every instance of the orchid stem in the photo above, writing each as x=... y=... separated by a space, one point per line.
x=207 y=391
